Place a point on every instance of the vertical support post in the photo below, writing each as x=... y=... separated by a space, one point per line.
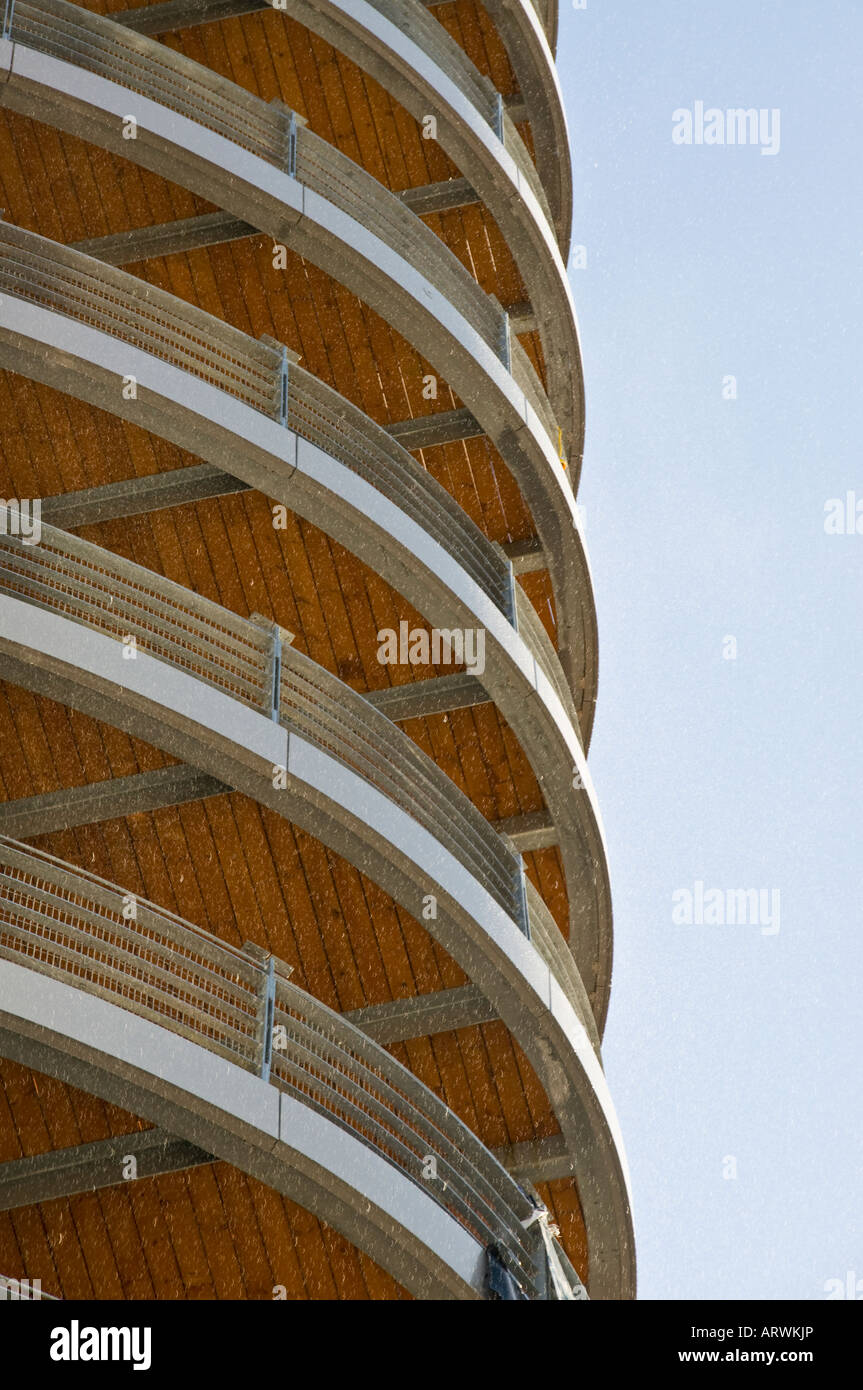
x=8 y=14
x=285 y=151
x=505 y=340
x=272 y=679
x=557 y=1280
x=282 y=387
x=536 y=1245
x=276 y=667
x=292 y=145
x=519 y=887
x=268 y=1011
x=521 y=907
x=281 y=379
x=268 y=967
x=511 y=600
x=266 y=1006
x=498 y=116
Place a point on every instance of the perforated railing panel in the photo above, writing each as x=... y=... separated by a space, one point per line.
x=75 y=927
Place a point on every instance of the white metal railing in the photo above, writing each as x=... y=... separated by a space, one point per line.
x=75 y=927
x=67 y=281
x=318 y=705
x=243 y=658
x=321 y=166
x=424 y=29
x=532 y=631
x=549 y=942
x=277 y=135
x=103 y=591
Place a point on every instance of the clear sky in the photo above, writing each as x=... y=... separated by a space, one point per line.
x=705 y=520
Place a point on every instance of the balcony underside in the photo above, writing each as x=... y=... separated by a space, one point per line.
x=334 y=805
x=49 y=345
x=434 y=1016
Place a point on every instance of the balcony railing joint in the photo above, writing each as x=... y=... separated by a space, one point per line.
x=504 y=345
x=277 y=638
x=521 y=902
x=498 y=115
x=291 y=124
x=266 y=1006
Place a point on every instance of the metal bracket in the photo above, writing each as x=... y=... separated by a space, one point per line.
x=511 y=599
x=290 y=123
x=504 y=334
x=270 y=700
x=283 y=387
x=276 y=692
x=506 y=341
x=292 y=145
x=281 y=384
x=498 y=116
x=524 y=915
x=269 y=1012
x=266 y=1003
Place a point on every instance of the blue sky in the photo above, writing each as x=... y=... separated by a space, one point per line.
x=705 y=519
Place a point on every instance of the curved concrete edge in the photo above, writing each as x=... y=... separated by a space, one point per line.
x=56 y=656
x=549 y=18
x=532 y=60
x=176 y=147
x=349 y=21
x=327 y=493
x=185 y=151
x=207 y=1100
x=357 y=29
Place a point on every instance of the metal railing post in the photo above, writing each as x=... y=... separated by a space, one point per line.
x=506 y=341
x=511 y=600
x=266 y=1006
x=282 y=388
x=556 y=1279
x=8 y=15
x=498 y=116
x=520 y=909
x=287 y=157
x=272 y=695
x=521 y=906
x=504 y=333
x=292 y=145
x=276 y=660
x=268 y=1010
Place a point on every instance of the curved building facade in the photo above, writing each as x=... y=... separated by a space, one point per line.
x=305 y=921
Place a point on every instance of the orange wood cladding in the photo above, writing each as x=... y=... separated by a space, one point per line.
x=225 y=863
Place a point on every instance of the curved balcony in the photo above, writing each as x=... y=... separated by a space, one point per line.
x=76 y=70
x=202 y=686
x=239 y=1006
x=528 y=45
x=413 y=57
x=548 y=13
x=221 y=394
